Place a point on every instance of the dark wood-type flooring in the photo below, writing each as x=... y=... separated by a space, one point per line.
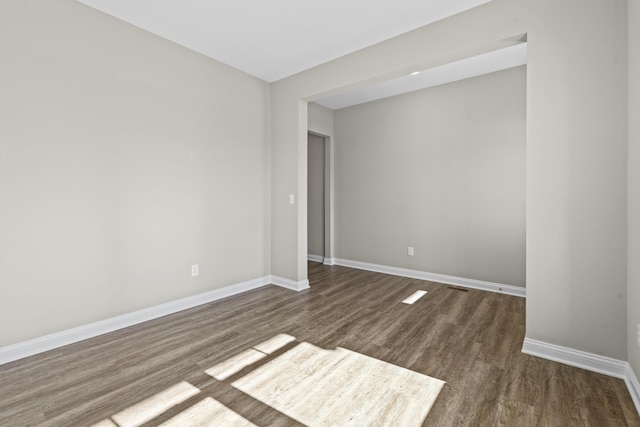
x=470 y=339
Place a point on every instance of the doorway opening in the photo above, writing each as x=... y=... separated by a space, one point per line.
x=316 y=198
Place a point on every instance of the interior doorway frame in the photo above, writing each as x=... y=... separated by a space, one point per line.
x=328 y=197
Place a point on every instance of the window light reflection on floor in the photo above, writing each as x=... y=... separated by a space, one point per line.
x=414 y=297
x=208 y=412
x=235 y=364
x=148 y=409
x=224 y=370
x=306 y=383
x=341 y=387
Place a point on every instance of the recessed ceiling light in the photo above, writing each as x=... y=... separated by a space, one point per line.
x=415 y=73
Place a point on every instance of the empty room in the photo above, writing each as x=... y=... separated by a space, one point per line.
x=285 y=213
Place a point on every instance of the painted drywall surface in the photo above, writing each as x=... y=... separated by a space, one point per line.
x=320 y=119
x=441 y=170
x=315 y=196
x=124 y=159
x=321 y=122
x=576 y=146
x=490 y=26
x=288 y=221
x=633 y=290
x=576 y=175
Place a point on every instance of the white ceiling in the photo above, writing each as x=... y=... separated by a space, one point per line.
x=273 y=39
x=469 y=67
x=277 y=38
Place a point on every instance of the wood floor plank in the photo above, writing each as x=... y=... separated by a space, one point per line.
x=470 y=339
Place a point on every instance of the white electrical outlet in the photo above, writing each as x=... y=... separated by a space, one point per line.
x=195 y=270
x=410 y=251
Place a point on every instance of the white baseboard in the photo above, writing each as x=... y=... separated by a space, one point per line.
x=434 y=277
x=70 y=336
x=589 y=361
x=290 y=284
x=631 y=380
x=579 y=359
x=329 y=261
x=315 y=258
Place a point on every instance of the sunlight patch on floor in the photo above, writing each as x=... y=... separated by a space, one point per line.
x=311 y=385
x=341 y=387
x=105 y=423
x=224 y=370
x=274 y=344
x=208 y=412
x=235 y=364
x=414 y=297
x=148 y=409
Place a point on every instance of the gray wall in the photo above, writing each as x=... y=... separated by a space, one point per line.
x=316 y=194
x=320 y=121
x=576 y=218
x=576 y=175
x=124 y=159
x=441 y=170
x=633 y=291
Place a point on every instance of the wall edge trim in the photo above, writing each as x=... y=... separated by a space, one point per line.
x=435 y=277
x=589 y=361
x=631 y=380
x=315 y=258
x=576 y=358
x=298 y=286
x=55 y=340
